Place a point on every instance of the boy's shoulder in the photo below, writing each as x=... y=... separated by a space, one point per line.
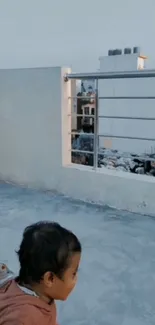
x=32 y=314
x=23 y=309
x=29 y=314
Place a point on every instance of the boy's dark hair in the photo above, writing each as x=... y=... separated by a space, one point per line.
x=46 y=246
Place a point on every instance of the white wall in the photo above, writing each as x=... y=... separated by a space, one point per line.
x=31 y=147
x=35 y=144
x=121 y=190
x=128 y=107
x=116 y=63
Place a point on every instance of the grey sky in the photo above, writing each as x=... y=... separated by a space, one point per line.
x=73 y=33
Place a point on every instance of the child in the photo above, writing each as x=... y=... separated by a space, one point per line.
x=49 y=257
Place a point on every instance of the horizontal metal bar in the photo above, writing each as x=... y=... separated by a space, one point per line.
x=112 y=97
x=125 y=137
x=114 y=156
x=127 y=97
x=82 y=97
x=126 y=156
x=82 y=151
x=82 y=115
x=112 y=75
x=80 y=133
x=127 y=118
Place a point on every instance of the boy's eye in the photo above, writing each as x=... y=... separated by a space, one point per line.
x=74 y=274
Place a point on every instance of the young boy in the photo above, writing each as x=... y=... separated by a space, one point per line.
x=49 y=257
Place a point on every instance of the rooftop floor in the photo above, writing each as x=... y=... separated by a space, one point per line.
x=117 y=275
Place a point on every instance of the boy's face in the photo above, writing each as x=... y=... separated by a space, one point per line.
x=59 y=289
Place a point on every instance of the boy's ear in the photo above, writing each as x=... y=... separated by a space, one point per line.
x=48 y=279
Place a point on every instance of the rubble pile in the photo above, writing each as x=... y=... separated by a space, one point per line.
x=111 y=159
x=127 y=162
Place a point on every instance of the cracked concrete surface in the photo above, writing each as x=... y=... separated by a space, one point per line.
x=117 y=274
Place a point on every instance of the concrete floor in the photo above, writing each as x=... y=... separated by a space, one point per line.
x=117 y=275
